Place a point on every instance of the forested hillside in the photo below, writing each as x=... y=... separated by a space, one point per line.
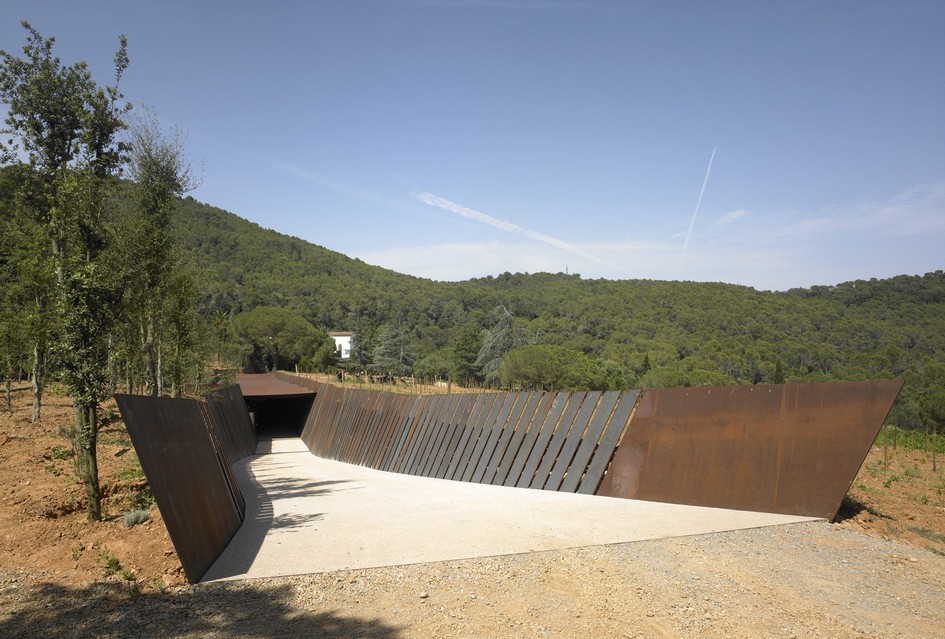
x=637 y=332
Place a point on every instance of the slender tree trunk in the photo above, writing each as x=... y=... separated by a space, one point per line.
x=39 y=357
x=159 y=369
x=86 y=442
x=150 y=357
x=112 y=367
x=9 y=398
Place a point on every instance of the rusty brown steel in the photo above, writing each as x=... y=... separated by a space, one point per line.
x=792 y=449
x=227 y=410
x=577 y=465
x=270 y=385
x=608 y=443
x=188 y=474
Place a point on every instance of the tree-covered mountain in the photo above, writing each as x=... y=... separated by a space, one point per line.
x=646 y=332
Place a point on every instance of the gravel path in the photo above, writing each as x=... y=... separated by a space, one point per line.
x=800 y=580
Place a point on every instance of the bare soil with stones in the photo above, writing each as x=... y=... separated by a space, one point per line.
x=880 y=572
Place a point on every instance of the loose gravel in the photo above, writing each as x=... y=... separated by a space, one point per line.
x=802 y=580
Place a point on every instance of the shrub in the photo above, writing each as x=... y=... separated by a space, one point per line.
x=135 y=516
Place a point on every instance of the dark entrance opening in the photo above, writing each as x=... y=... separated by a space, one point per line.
x=279 y=416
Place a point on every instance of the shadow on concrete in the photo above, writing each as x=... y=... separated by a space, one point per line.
x=261 y=519
x=237 y=609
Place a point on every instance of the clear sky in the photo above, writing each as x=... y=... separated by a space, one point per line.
x=772 y=144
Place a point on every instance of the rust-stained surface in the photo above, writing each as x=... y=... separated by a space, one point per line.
x=186 y=466
x=791 y=449
x=227 y=410
x=271 y=385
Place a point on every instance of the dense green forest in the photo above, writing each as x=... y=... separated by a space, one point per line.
x=640 y=333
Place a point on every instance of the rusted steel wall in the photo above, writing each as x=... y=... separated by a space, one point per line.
x=227 y=410
x=552 y=441
x=791 y=449
x=184 y=459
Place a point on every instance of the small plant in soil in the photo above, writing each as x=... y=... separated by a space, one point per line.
x=135 y=516
x=110 y=563
x=61 y=452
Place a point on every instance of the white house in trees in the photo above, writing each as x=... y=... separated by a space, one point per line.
x=342 y=344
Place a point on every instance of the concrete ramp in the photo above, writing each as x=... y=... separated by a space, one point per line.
x=305 y=514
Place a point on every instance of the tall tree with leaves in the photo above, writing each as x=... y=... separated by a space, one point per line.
x=396 y=350
x=161 y=174
x=497 y=341
x=67 y=127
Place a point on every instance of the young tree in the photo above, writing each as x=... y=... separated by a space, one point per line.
x=66 y=126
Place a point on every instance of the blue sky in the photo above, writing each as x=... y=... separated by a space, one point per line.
x=771 y=144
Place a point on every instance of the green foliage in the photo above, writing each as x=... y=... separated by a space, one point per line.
x=67 y=126
x=498 y=340
x=396 y=350
x=546 y=367
x=58 y=452
x=110 y=563
x=693 y=333
x=276 y=338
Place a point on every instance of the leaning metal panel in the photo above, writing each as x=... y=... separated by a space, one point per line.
x=187 y=474
x=791 y=449
x=227 y=409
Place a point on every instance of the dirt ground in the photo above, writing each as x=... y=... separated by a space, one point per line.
x=879 y=572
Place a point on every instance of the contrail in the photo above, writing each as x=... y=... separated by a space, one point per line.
x=695 y=213
x=511 y=227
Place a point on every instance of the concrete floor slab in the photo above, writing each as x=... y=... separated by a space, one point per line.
x=305 y=514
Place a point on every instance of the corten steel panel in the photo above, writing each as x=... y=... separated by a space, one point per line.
x=422 y=452
x=550 y=454
x=234 y=427
x=452 y=406
x=421 y=434
x=435 y=454
x=595 y=429
x=572 y=441
x=408 y=434
x=458 y=427
x=373 y=428
x=185 y=473
x=445 y=433
x=498 y=427
x=545 y=405
x=608 y=443
x=224 y=464
x=469 y=436
x=791 y=449
x=396 y=427
x=406 y=420
x=542 y=437
x=269 y=385
x=385 y=421
x=507 y=431
x=485 y=432
x=513 y=451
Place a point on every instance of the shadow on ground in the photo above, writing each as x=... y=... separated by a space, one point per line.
x=219 y=610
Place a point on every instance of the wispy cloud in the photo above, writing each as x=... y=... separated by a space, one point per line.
x=510 y=227
x=342 y=188
x=731 y=216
